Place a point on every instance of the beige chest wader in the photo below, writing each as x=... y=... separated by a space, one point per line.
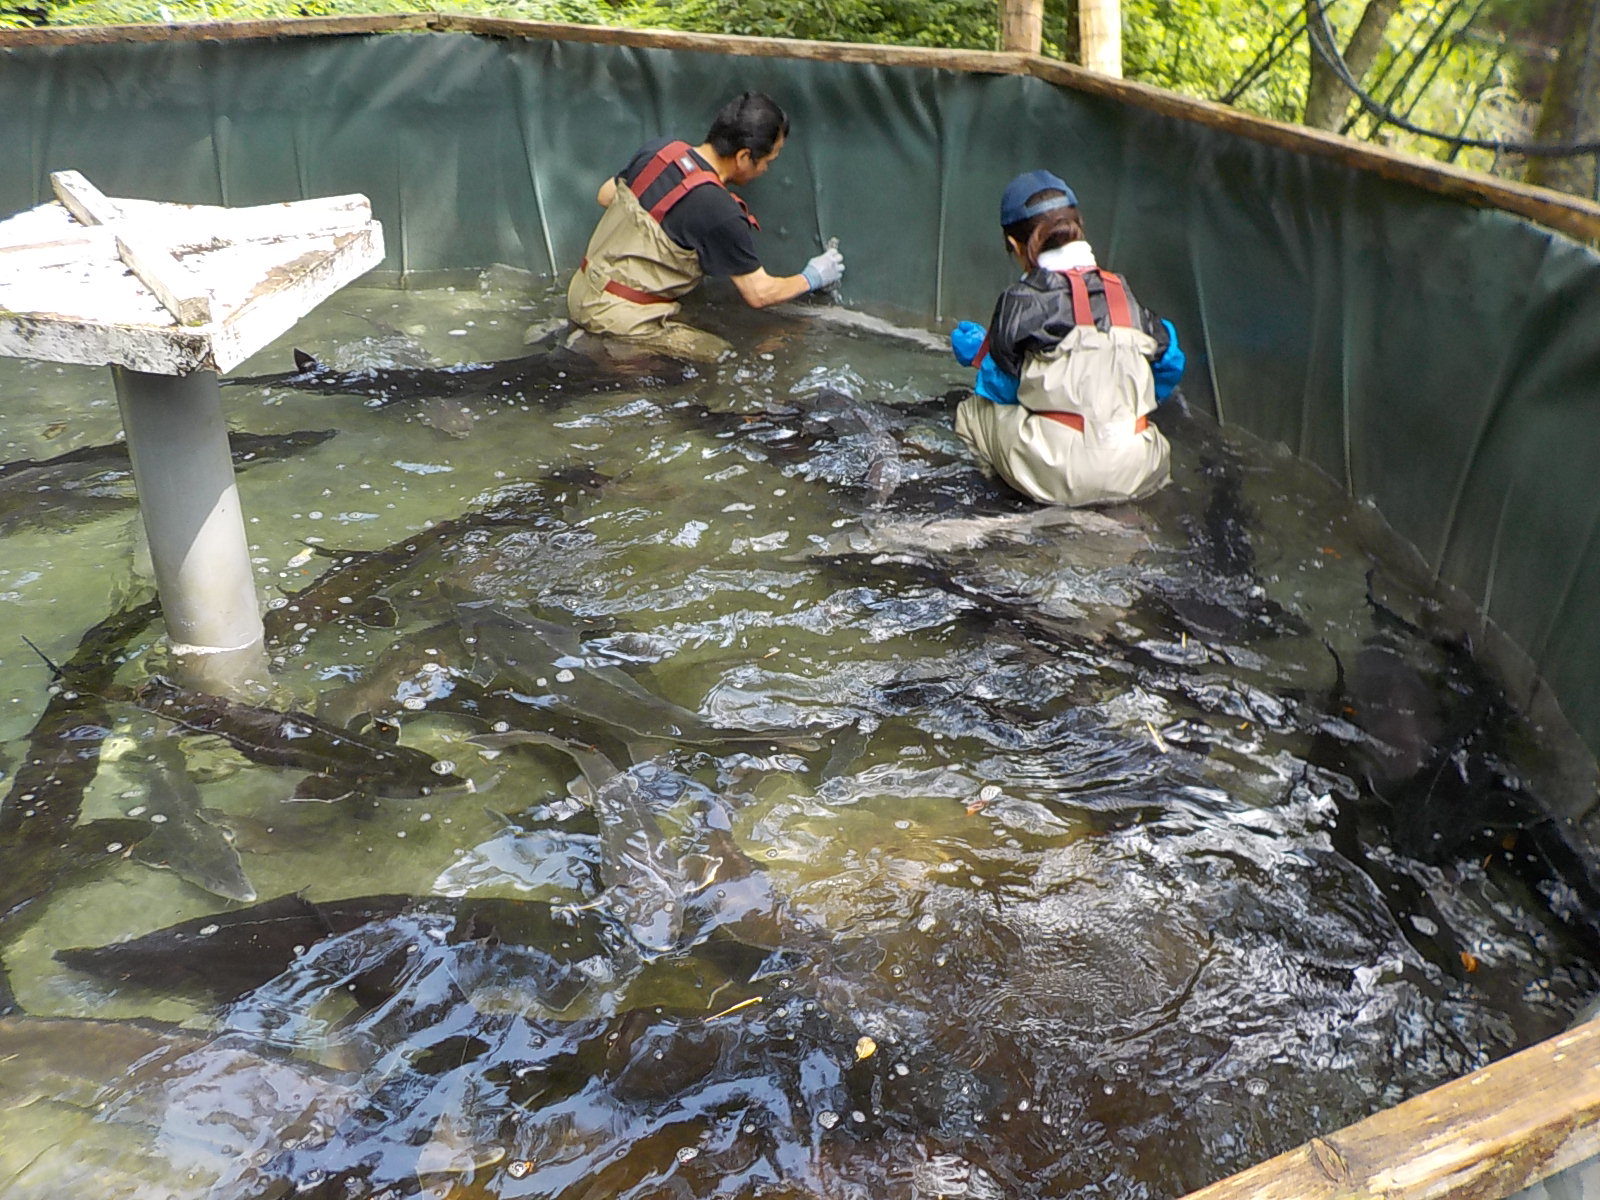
x=633 y=274
x=1079 y=432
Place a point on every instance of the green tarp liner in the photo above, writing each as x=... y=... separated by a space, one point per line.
x=1441 y=360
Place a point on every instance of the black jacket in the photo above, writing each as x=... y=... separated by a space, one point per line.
x=1034 y=314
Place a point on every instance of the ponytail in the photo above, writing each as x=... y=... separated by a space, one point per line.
x=1058 y=227
x=1051 y=228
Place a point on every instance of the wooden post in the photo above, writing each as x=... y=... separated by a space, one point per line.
x=1022 y=25
x=1100 y=36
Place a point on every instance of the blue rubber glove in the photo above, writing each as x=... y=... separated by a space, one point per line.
x=965 y=339
x=1168 y=369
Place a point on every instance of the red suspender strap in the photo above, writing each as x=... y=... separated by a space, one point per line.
x=983 y=351
x=679 y=154
x=1082 y=313
x=653 y=168
x=1117 y=306
x=694 y=175
x=1117 y=300
x=745 y=209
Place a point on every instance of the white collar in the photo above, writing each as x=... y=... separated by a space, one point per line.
x=1068 y=257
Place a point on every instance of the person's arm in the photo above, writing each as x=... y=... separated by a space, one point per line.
x=760 y=289
x=607 y=193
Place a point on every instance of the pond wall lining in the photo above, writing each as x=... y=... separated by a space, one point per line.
x=1398 y=324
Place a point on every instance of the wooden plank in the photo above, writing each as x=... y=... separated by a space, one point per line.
x=83 y=200
x=52 y=337
x=976 y=61
x=152 y=264
x=1484 y=1136
x=293 y=289
x=167 y=278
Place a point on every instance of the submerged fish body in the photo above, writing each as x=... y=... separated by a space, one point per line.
x=136 y=1109
x=340 y=762
x=289 y=951
x=42 y=843
x=91 y=480
x=185 y=838
x=935 y=537
x=353 y=583
x=645 y=883
x=548 y=659
x=442 y=395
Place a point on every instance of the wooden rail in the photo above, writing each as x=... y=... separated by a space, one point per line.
x=1556 y=210
x=1484 y=1136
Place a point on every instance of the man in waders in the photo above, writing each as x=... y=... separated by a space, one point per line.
x=670 y=220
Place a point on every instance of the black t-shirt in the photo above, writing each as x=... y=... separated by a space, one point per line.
x=707 y=220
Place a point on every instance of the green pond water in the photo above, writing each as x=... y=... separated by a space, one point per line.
x=1097 y=856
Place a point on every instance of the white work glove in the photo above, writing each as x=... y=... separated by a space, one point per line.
x=826 y=269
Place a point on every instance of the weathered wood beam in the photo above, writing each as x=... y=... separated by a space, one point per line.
x=1569 y=214
x=1100 y=36
x=1022 y=25
x=1484 y=1136
x=152 y=264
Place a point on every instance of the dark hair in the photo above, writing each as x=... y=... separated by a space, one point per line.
x=1055 y=227
x=752 y=122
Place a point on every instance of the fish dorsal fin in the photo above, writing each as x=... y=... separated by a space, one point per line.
x=304 y=363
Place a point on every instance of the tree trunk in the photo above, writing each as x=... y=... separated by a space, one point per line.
x=1571 y=108
x=1327 y=98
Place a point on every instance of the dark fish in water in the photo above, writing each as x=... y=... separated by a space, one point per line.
x=185 y=838
x=1221 y=599
x=228 y=955
x=443 y=395
x=1424 y=735
x=549 y=659
x=63 y=752
x=93 y=480
x=342 y=763
x=140 y=1109
x=352 y=585
x=41 y=843
x=30 y=871
x=645 y=881
x=428 y=670
x=932 y=539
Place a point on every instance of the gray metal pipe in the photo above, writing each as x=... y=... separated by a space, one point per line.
x=183 y=469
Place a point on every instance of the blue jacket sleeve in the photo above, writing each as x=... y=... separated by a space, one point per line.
x=1168 y=369
x=966 y=339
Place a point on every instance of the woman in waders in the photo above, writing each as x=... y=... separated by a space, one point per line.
x=1071 y=366
x=670 y=220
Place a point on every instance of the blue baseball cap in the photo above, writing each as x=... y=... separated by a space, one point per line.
x=1014 y=204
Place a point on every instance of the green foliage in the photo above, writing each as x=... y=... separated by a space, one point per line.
x=1251 y=52
x=954 y=23
x=1446 y=64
